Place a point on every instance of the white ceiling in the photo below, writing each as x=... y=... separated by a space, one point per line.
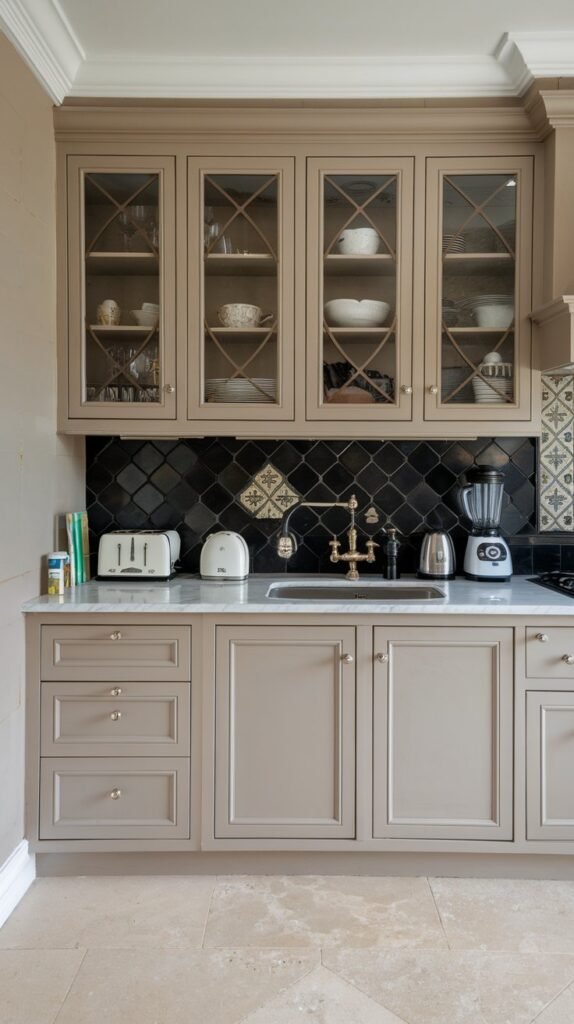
x=246 y=48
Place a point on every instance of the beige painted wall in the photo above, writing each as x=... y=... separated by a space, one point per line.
x=40 y=473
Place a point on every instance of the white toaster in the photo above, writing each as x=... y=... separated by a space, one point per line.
x=138 y=554
x=224 y=556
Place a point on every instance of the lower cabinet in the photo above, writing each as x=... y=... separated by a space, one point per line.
x=285 y=732
x=442 y=733
x=549 y=764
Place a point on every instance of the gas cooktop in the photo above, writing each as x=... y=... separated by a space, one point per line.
x=561 y=582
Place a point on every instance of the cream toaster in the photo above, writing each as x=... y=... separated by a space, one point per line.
x=138 y=554
x=224 y=556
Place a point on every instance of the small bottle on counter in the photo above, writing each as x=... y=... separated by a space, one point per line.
x=58 y=572
x=392 y=554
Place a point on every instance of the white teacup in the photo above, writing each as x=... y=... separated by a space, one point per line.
x=109 y=313
x=242 y=314
x=359 y=242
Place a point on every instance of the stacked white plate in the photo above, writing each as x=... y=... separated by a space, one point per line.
x=238 y=389
x=483 y=392
x=453 y=243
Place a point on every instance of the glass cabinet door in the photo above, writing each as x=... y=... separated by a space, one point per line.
x=478 y=290
x=360 y=279
x=241 y=302
x=122 y=299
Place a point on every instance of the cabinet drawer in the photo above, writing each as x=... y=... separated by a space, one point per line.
x=114 y=798
x=113 y=719
x=116 y=652
x=547 y=651
x=549 y=764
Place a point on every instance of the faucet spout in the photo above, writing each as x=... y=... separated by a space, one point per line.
x=286 y=541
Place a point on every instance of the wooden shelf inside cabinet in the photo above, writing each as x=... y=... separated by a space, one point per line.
x=478 y=262
x=373 y=266
x=241 y=333
x=477 y=330
x=118 y=263
x=258 y=264
x=120 y=331
x=358 y=332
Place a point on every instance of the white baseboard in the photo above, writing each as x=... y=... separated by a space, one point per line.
x=16 y=876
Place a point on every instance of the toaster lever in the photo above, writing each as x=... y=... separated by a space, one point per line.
x=145 y=554
x=133 y=550
x=119 y=554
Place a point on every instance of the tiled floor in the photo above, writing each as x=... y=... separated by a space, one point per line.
x=276 y=950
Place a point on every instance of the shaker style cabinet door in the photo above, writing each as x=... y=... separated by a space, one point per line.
x=478 y=290
x=359 y=272
x=442 y=731
x=121 y=288
x=241 y=280
x=549 y=765
x=285 y=732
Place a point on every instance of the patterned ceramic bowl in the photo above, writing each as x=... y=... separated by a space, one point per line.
x=241 y=314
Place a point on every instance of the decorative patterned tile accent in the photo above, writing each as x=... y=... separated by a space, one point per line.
x=198 y=486
x=268 y=495
x=556 y=457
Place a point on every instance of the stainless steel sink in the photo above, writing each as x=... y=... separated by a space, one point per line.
x=352 y=592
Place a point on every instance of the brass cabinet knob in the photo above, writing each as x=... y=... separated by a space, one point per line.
x=568 y=659
x=433 y=389
x=115 y=794
x=115 y=716
x=543 y=638
x=347 y=658
x=170 y=389
x=383 y=658
x=116 y=636
x=116 y=692
x=406 y=389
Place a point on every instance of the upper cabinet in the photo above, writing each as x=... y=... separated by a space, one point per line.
x=121 y=293
x=240 y=287
x=479 y=273
x=359 y=299
x=276 y=283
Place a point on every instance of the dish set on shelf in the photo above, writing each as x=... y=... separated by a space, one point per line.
x=109 y=314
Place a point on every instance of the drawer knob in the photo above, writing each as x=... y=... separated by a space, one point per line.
x=115 y=716
x=170 y=389
x=433 y=390
x=542 y=637
x=568 y=659
x=116 y=635
x=115 y=794
x=116 y=692
x=383 y=658
x=406 y=389
x=347 y=659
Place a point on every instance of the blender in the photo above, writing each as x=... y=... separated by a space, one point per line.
x=487 y=555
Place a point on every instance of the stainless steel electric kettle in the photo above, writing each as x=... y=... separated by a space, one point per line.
x=437 y=560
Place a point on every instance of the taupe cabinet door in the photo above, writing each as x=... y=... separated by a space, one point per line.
x=442 y=733
x=285 y=732
x=549 y=765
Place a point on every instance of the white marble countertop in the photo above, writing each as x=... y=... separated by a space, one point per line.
x=189 y=594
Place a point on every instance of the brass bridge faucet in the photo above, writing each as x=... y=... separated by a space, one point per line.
x=352 y=556
x=287 y=545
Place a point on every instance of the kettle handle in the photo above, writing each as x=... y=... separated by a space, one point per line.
x=463 y=495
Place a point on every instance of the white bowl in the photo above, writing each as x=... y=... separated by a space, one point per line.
x=144 y=317
x=356 y=313
x=498 y=315
x=150 y=307
x=359 y=242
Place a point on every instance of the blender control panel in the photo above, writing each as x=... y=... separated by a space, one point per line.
x=491 y=551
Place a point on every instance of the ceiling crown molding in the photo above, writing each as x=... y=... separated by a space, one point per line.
x=545 y=54
x=43 y=36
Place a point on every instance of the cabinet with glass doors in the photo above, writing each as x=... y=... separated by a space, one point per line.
x=121 y=288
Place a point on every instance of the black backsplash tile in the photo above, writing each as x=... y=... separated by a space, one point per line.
x=194 y=485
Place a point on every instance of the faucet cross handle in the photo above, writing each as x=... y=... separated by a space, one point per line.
x=371 y=545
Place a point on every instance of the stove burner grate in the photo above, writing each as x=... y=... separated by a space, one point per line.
x=562 y=582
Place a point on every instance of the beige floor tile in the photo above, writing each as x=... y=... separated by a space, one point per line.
x=286 y=911
x=35 y=982
x=440 y=987
x=180 y=986
x=561 y=1011
x=323 y=998
x=128 y=913
x=526 y=916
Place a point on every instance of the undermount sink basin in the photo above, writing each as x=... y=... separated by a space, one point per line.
x=353 y=592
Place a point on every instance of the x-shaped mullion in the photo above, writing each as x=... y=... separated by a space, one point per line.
x=478 y=209
x=360 y=370
x=239 y=369
x=121 y=368
x=120 y=208
x=360 y=209
x=241 y=210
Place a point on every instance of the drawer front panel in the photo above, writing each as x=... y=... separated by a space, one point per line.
x=114 y=798
x=549 y=764
x=550 y=652
x=118 y=719
x=116 y=652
